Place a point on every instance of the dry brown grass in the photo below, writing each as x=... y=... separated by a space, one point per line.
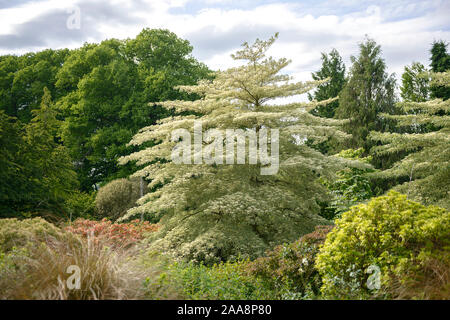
x=432 y=284
x=41 y=272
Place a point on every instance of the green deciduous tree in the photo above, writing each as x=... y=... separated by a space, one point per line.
x=369 y=91
x=415 y=83
x=333 y=68
x=23 y=78
x=216 y=211
x=108 y=86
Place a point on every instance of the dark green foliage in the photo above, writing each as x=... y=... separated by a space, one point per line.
x=108 y=88
x=100 y=94
x=13 y=176
x=368 y=92
x=440 y=62
x=23 y=79
x=351 y=186
x=39 y=173
x=53 y=169
x=332 y=68
x=102 y=91
x=80 y=205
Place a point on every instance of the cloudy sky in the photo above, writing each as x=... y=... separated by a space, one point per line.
x=404 y=29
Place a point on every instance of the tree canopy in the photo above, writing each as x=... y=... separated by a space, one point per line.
x=216 y=209
x=99 y=92
x=333 y=68
x=369 y=91
x=39 y=172
x=108 y=87
x=415 y=83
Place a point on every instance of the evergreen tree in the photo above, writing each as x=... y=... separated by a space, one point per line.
x=415 y=83
x=14 y=184
x=440 y=62
x=333 y=68
x=212 y=210
x=369 y=91
x=37 y=173
x=48 y=160
x=424 y=174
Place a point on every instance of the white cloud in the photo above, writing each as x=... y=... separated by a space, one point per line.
x=216 y=31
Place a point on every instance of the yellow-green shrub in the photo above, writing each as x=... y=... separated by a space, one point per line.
x=398 y=236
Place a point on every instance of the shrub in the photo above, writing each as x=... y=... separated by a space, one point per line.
x=351 y=187
x=80 y=205
x=115 y=198
x=223 y=281
x=159 y=284
x=400 y=237
x=19 y=233
x=113 y=234
x=291 y=266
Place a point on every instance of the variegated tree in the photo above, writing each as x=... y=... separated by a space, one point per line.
x=425 y=171
x=212 y=210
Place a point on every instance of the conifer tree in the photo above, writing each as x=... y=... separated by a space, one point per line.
x=13 y=178
x=440 y=62
x=49 y=163
x=213 y=211
x=425 y=171
x=368 y=92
